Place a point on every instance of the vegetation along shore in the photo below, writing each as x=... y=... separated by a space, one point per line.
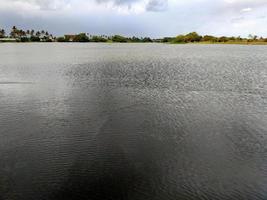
x=19 y=35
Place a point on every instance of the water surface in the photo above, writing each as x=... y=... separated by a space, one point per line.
x=133 y=122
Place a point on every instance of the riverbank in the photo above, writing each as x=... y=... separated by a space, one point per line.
x=19 y=35
x=172 y=43
x=234 y=42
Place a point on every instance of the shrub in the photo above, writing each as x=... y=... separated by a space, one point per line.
x=61 y=39
x=35 y=39
x=81 y=38
x=119 y=38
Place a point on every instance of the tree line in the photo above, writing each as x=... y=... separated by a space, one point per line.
x=20 y=35
x=27 y=35
x=83 y=37
x=193 y=37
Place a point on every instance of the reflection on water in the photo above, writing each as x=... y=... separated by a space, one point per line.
x=131 y=122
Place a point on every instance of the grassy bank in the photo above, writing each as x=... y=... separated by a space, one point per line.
x=234 y=42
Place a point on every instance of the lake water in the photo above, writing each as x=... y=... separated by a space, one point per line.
x=133 y=122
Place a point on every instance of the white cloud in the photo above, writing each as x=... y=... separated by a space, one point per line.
x=35 y=4
x=246 y=10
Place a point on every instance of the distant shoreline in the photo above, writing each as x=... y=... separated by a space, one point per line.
x=225 y=43
x=29 y=36
x=169 y=43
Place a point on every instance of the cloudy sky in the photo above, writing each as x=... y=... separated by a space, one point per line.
x=154 y=18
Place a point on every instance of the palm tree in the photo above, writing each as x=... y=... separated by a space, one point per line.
x=38 y=33
x=21 y=33
x=32 y=32
x=14 y=32
x=14 y=28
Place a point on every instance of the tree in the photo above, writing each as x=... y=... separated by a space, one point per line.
x=61 y=39
x=82 y=37
x=209 y=38
x=14 y=32
x=135 y=39
x=192 y=37
x=21 y=33
x=239 y=38
x=147 y=39
x=24 y=39
x=2 y=33
x=32 y=32
x=35 y=38
x=37 y=34
x=168 y=39
x=179 y=39
x=98 y=39
x=223 y=39
x=119 y=38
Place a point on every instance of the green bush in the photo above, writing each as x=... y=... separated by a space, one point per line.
x=24 y=39
x=98 y=39
x=81 y=38
x=179 y=39
x=119 y=38
x=61 y=39
x=34 y=39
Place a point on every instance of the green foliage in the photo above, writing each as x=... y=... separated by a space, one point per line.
x=119 y=38
x=192 y=37
x=135 y=39
x=167 y=39
x=195 y=37
x=61 y=39
x=25 y=39
x=20 y=35
x=147 y=39
x=209 y=38
x=81 y=38
x=98 y=39
x=34 y=39
x=223 y=39
x=179 y=39
x=48 y=40
x=67 y=38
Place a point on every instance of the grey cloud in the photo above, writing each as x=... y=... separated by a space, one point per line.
x=157 y=5
x=245 y=4
x=118 y=2
x=152 y=5
x=45 y=4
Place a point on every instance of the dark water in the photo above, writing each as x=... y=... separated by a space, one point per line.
x=133 y=122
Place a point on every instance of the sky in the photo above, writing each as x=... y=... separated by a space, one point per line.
x=153 y=18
